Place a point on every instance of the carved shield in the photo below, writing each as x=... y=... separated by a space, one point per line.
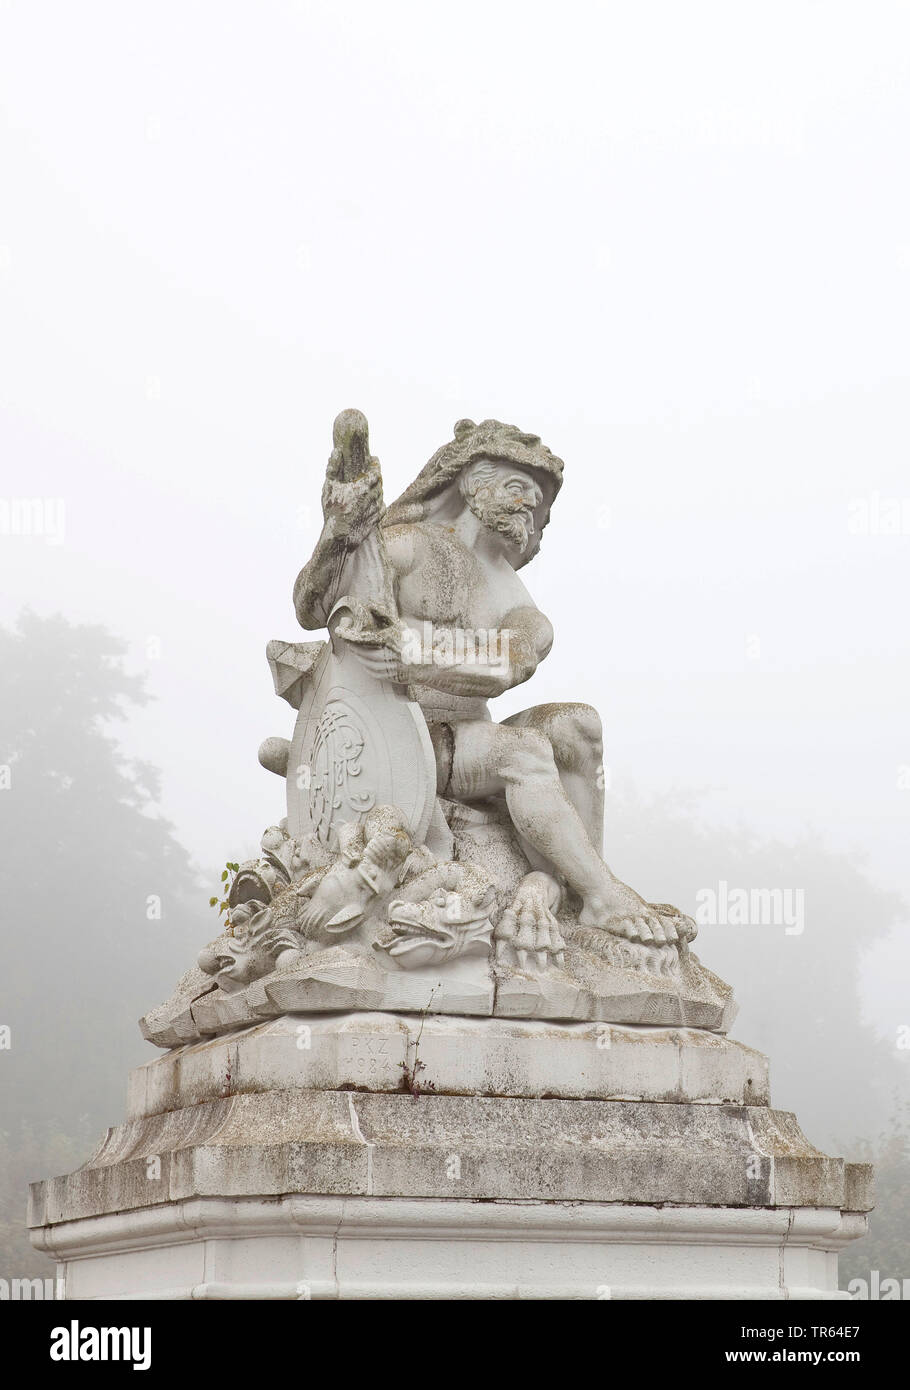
x=359 y=742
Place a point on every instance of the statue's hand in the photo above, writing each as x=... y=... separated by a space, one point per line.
x=382 y=662
x=352 y=492
x=528 y=926
x=377 y=649
x=352 y=508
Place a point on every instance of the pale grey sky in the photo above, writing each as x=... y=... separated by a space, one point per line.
x=673 y=239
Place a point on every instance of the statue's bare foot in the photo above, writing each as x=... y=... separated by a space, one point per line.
x=617 y=908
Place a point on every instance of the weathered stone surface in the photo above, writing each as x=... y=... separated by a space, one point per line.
x=693 y=1185
x=339 y=980
x=490 y=1057
x=691 y=996
x=479 y=1147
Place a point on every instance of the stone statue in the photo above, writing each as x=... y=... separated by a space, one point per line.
x=423 y=838
x=451 y=548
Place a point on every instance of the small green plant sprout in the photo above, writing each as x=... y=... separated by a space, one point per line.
x=410 y=1072
x=222 y=903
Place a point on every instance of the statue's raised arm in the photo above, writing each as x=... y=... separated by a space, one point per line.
x=349 y=558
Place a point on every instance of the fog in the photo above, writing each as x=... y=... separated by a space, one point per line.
x=673 y=240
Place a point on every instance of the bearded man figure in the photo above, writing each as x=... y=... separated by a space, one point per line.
x=452 y=545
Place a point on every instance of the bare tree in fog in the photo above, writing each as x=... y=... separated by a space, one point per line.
x=100 y=903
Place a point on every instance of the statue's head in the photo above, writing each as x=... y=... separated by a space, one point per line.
x=503 y=496
x=507 y=478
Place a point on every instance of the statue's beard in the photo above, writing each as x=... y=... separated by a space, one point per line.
x=496 y=510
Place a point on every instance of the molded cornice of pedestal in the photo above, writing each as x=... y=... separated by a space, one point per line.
x=302 y=1247
x=484 y=1148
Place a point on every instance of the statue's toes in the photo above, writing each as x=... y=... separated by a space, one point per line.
x=658 y=933
x=675 y=924
x=670 y=929
x=644 y=930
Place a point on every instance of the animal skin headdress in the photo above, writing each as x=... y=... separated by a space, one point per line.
x=490 y=439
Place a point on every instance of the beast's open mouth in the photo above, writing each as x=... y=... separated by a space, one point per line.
x=401 y=920
x=405 y=924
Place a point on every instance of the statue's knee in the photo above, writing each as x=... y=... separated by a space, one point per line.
x=587 y=727
x=525 y=753
x=578 y=737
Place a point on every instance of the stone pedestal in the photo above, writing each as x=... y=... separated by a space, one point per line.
x=392 y=1156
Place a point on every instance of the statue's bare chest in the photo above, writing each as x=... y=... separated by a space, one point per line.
x=452 y=585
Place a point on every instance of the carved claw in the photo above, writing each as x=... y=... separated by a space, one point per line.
x=528 y=927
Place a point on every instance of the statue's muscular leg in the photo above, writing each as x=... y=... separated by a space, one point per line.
x=575 y=735
x=490 y=758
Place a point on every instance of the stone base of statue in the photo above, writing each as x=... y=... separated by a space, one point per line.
x=377 y=1155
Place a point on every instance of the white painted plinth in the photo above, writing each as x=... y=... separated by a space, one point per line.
x=299 y=1247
